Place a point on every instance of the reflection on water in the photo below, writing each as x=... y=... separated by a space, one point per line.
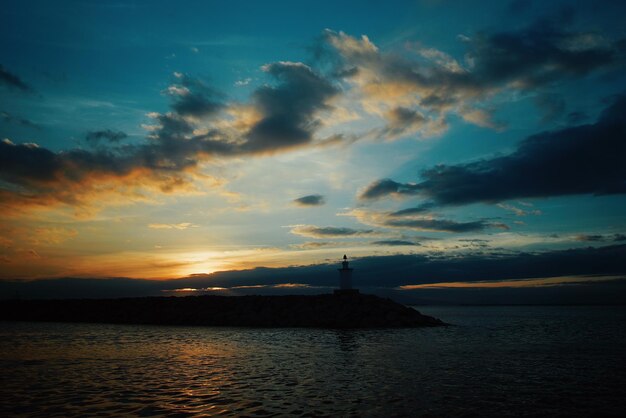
x=495 y=361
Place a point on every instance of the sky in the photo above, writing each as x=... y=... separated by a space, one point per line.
x=167 y=140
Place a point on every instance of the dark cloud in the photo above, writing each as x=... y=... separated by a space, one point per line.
x=489 y=266
x=587 y=159
x=442 y=225
x=600 y=237
x=423 y=208
x=394 y=242
x=7 y=117
x=30 y=165
x=193 y=97
x=539 y=54
x=434 y=83
x=107 y=134
x=288 y=118
x=414 y=219
x=374 y=274
x=13 y=81
x=195 y=105
x=34 y=176
x=176 y=148
x=310 y=200
x=173 y=126
x=23 y=163
x=288 y=109
x=387 y=187
x=312 y=231
x=591 y=238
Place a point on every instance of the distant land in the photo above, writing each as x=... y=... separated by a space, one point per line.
x=600 y=279
x=311 y=311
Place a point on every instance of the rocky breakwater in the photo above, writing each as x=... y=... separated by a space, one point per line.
x=318 y=311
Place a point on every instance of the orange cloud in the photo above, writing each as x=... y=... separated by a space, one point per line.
x=548 y=281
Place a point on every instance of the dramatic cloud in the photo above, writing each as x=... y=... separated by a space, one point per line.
x=312 y=231
x=28 y=164
x=36 y=177
x=310 y=200
x=13 y=81
x=373 y=274
x=539 y=54
x=587 y=159
x=288 y=110
x=414 y=91
x=107 y=134
x=279 y=117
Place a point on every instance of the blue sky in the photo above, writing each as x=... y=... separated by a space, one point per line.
x=175 y=138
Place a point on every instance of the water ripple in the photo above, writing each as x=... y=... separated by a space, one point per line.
x=495 y=361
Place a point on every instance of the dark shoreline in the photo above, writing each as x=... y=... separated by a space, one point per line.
x=316 y=311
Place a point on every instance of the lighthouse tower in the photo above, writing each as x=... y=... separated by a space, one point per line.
x=345 y=279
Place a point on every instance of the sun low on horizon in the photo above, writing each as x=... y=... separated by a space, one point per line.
x=162 y=140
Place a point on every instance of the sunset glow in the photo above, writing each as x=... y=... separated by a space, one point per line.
x=223 y=145
x=324 y=208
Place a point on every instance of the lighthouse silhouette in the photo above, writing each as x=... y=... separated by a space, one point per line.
x=345 y=279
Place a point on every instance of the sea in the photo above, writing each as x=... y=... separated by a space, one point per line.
x=492 y=361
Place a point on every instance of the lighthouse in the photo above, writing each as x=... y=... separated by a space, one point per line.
x=345 y=279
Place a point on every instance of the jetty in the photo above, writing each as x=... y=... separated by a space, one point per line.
x=345 y=308
x=314 y=311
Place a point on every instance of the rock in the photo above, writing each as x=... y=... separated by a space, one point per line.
x=319 y=311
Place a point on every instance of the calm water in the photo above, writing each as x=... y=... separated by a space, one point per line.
x=499 y=361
